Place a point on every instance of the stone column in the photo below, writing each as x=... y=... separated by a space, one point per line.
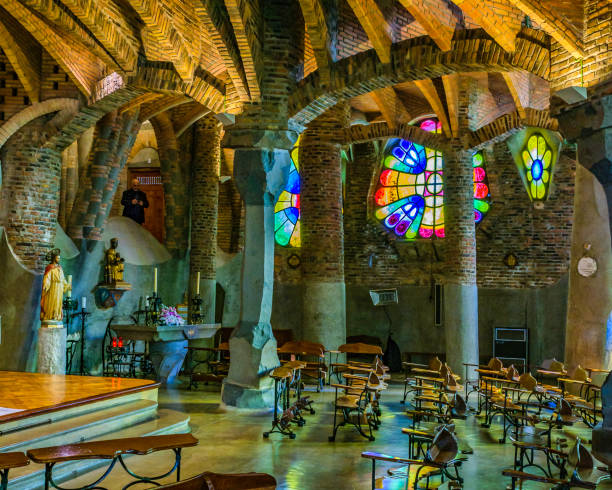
x=589 y=315
x=261 y=167
x=460 y=290
x=204 y=210
x=52 y=350
x=322 y=231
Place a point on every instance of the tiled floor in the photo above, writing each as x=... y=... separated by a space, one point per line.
x=233 y=442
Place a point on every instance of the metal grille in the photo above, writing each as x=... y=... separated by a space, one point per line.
x=150 y=180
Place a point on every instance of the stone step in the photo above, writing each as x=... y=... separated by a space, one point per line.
x=81 y=427
x=163 y=422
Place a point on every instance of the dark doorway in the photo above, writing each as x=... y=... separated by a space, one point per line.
x=151 y=183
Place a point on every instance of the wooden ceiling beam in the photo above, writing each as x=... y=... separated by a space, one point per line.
x=490 y=21
x=243 y=17
x=428 y=89
x=553 y=24
x=217 y=23
x=314 y=18
x=440 y=26
x=161 y=40
x=79 y=63
x=518 y=84
x=375 y=26
x=451 y=90
x=23 y=52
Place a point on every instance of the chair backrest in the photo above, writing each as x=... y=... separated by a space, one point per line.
x=512 y=372
x=444 y=446
x=302 y=347
x=580 y=374
x=218 y=481
x=580 y=458
x=435 y=364
x=359 y=348
x=527 y=381
x=552 y=365
x=459 y=405
x=495 y=364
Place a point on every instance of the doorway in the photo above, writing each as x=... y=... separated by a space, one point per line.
x=151 y=183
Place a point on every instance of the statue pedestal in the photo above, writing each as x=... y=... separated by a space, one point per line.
x=52 y=349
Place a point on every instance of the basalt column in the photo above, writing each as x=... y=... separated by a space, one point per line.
x=460 y=291
x=204 y=208
x=589 y=314
x=261 y=167
x=322 y=231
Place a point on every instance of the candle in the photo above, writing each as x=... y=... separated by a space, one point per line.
x=198 y=284
x=147 y=303
x=70 y=286
x=84 y=302
x=155 y=281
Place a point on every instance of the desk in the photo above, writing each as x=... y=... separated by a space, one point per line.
x=166 y=344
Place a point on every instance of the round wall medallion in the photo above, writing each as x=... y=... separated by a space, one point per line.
x=587 y=266
x=294 y=261
x=511 y=260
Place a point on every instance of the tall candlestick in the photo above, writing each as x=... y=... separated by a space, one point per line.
x=84 y=302
x=70 y=286
x=155 y=281
x=198 y=284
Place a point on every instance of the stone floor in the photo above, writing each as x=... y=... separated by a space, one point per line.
x=233 y=442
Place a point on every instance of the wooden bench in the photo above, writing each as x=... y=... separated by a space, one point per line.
x=114 y=450
x=218 y=481
x=8 y=461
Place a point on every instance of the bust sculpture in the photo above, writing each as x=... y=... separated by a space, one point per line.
x=113 y=264
x=53 y=289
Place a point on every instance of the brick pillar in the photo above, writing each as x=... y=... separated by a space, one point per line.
x=322 y=231
x=588 y=334
x=460 y=290
x=204 y=207
x=261 y=167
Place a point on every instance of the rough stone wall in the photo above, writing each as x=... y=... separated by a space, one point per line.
x=205 y=197
x=30 y=188
x=597 y=65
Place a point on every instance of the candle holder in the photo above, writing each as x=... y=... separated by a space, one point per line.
x=83 y=314
x=69 y=305
x=154 y=309
x=196 y=309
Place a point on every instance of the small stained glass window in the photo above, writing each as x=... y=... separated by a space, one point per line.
x=537 y=159
x=287 y=208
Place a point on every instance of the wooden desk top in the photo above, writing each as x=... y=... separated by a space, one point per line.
x=13 y=460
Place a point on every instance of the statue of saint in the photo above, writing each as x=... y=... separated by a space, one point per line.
x=113 y=264
x=53 y=289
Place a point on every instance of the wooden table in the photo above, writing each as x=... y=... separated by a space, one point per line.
x=166 y=344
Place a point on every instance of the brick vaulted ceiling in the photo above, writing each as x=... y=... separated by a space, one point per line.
x=221 y=42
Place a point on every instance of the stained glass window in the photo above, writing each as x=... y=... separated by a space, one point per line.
x=481 y=187
x=537 y=158
x=409 y=198
x=287 y=208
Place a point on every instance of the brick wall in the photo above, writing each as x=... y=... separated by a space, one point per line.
x=30 y=191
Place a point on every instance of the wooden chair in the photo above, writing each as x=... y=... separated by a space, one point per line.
x=580 y=392
x=579 y=458
x=8 y=461
x=413 y=371
x=356 y=352
x=311 y=352
x=440 y=460
x=113 y=450
x=493 y=368
x=219 y=481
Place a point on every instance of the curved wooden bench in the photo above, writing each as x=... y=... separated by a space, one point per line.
x=114 y=450
x=8 y=461
x=218 y=481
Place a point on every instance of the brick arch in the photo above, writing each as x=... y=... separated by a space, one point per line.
x=417 y=58
x=382 y=131
x=23 y=117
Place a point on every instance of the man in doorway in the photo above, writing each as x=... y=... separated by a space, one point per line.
x=134 y=201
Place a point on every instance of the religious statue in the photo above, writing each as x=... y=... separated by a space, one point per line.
x=113 y=264
x=53 y=289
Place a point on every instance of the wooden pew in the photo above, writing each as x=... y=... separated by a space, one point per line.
x=113 y=450
x=219 y=481
x=8 y=461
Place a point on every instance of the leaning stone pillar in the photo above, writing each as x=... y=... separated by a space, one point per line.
x=204 y=210
x=460 y=290
x=322 y=231
x=589 y=316
x=261 y=166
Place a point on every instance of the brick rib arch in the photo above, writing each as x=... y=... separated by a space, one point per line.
x=416 y=59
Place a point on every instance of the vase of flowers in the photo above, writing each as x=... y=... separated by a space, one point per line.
x=169 y=316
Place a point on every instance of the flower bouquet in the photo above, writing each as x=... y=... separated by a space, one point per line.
x=169 y=316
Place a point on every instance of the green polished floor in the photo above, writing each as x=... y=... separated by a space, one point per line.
x=232 y=442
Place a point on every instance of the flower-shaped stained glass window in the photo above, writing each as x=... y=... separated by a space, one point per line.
x=409 y=199
x=537 y=159
x=287 y=208
x=481 y=188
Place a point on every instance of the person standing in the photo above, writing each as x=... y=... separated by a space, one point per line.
x=134 y=202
